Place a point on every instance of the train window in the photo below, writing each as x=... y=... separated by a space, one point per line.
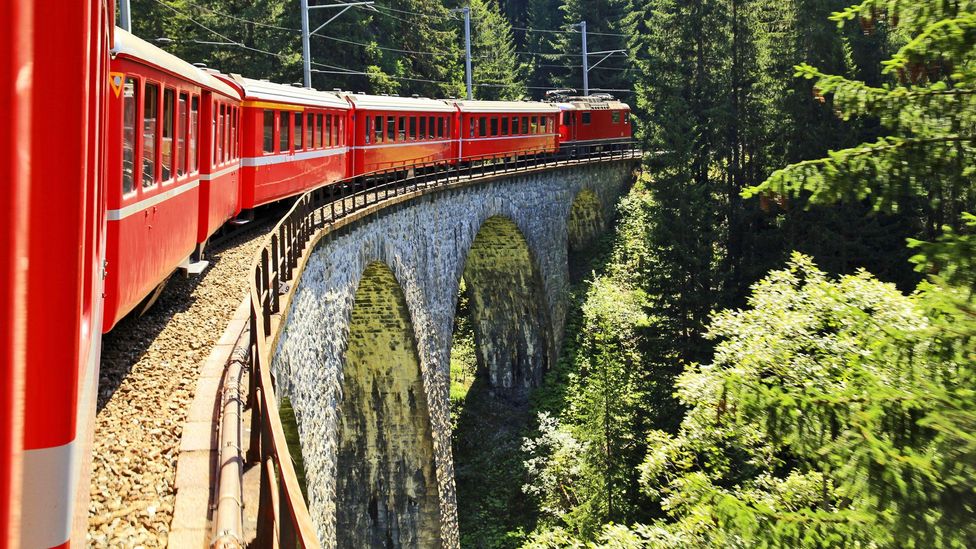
x=440 y=127
x=284 y=132
x=534 y=125
x=586 y=117
x=402 y=129
x=328 y=130
x=525 y=125
x=130 y=101
x=431 y=133
x=194 y=129
x=228 y=143
x=515 y=125
x=567 y=119
x=615 y=117
x=412 y=134
x=150 y=112
x=181 y=131
x=369 y=129
x=494 y=126
x=378 y=129
x=169 y=99
x=218 y=151
x=320 y=132
x=309 y=130
x=482 y=126
x=299 y=131
x=423 y=127
x=269 y=121
x=390 y=129
x=337 y=133
x=474 y=123
x=627 y=118
x=235 y=142
x=505 y=126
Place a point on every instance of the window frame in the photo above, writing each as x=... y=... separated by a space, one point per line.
x=168 y=92
x=154 y=154
x=268 y=123
x=136 y=149
x=284 y=132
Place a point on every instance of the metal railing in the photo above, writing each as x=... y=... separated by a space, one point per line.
x=283 y=517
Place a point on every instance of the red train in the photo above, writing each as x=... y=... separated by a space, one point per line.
x=154 y=156
x=190 y=149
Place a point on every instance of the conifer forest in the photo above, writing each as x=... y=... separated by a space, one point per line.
x=775 y=343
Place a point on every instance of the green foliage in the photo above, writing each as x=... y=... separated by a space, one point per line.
x=496 y=68
x=926 y=108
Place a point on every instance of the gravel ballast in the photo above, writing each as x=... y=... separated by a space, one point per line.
x=147 y=379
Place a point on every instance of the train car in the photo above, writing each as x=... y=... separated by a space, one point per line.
x=292 y=140
x=506 y=128
x=156 y=141
x=389 y=132
x=593 y=121
x=219 y=160
x=54 y=86
x=16 y=57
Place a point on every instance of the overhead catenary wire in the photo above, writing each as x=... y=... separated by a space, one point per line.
x=353 y=42
x=335 y=69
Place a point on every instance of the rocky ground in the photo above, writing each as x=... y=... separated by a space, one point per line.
x=147 y=381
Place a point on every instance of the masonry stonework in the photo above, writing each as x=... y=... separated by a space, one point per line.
x=511 y=234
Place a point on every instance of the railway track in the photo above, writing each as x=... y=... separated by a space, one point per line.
x=149 y=370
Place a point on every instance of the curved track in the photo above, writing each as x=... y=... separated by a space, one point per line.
x=148 y=375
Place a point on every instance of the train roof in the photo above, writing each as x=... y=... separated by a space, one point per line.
x=131 y=46
x=592 y=104
x=263 y=90
x=505 y=106
x=394 y=103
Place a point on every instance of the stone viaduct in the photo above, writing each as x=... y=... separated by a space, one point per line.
x=364 y=357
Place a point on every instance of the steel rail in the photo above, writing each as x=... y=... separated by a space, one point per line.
x=283 y=516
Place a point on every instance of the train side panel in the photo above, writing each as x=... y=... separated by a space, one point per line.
x=64 y=283
x=154 y=188
x=290 y=149
x=15 y=92
x=220 y=161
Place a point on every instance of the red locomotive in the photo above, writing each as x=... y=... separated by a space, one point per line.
x=155 y=156
x=592 y=121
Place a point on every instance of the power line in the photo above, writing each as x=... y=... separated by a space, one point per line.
x=555 y=31
x=323 y=36
x=230 y=42
x=335 y=69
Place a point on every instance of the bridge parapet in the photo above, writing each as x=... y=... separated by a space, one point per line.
x=422 y=228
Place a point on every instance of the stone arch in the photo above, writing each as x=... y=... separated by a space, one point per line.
x=586 y=220
x=508 y=308
x=386 y=485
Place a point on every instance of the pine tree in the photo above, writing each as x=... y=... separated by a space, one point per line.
x=605 y=25
x=496 y=71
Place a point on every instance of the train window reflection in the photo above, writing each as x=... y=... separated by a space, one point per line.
x=194 y=129
x=284 y=132
x=150 y=112
x=130 y=98
x=169 y=99
x=181 y=134
x=269 y=117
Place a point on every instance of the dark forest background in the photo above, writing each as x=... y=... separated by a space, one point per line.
x=775 y=343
